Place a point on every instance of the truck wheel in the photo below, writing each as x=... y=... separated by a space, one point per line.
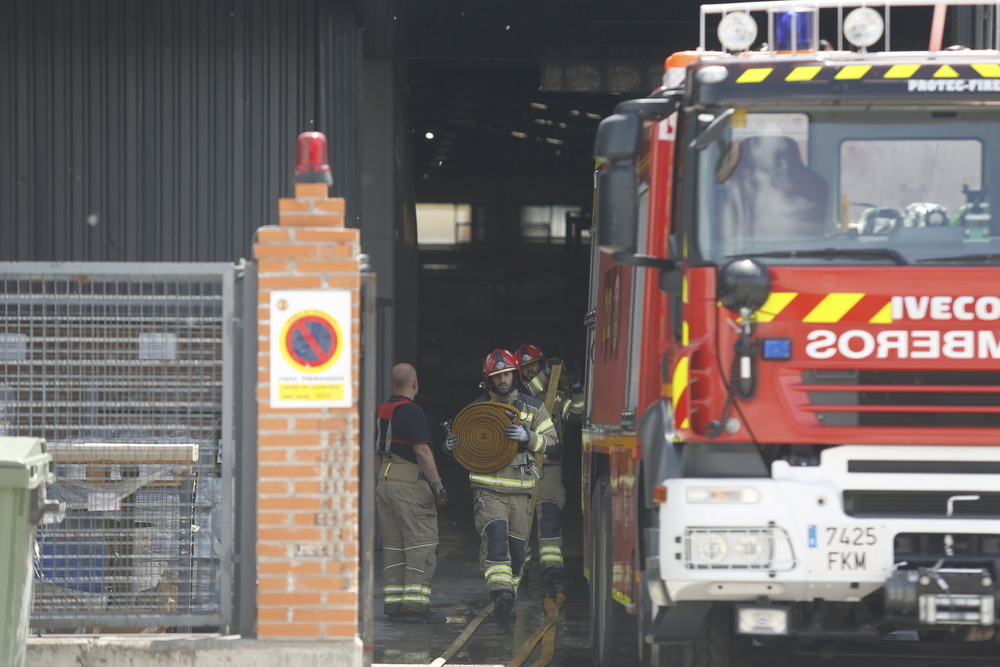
x=715 y=646
x=613 y=632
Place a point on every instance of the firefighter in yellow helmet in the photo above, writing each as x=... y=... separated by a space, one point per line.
x=565 y=403
x=500 y=498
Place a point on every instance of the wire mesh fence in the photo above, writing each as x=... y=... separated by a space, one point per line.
x=127 y=372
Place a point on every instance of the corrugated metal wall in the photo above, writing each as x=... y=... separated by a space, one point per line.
x=164 y=130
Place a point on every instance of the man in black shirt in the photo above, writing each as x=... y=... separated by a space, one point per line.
x=407 y=494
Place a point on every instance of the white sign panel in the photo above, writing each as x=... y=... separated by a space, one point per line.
x=311 y=349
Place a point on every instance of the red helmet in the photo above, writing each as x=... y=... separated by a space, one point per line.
x=499 y=361
x=528 y=353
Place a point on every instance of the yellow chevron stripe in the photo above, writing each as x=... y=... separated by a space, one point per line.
x=680 y=380
x=803 y=73
x=945 y=72
x=755 y=75
x=833 y=307
x=883 y=316
x=685 y=333
x=678 y=385
x=901 y=71
x=774 y=305
x=852 y=71
x=988 y=71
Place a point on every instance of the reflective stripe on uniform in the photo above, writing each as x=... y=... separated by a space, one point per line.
x=417 y=588
x=550 y=555
x=419 y=599
x=499 y=574
x=499 y=481
x=393 y=594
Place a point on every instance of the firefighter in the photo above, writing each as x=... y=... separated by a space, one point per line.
x=565 y=404
x=408 y=492
x=501 y=498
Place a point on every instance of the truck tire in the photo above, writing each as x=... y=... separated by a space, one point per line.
x=715 y=646
x=614 y=641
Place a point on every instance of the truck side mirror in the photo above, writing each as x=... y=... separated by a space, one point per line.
x=618 y=140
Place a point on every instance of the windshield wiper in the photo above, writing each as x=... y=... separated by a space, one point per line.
x=887 y=253
x=984 y=257
x=714 y=130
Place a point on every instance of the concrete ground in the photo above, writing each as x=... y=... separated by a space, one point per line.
x=459 y=592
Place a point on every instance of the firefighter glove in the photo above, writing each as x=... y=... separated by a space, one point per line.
x=516 y=432
x=440 y=493
x=451 y=443
x=554 y=452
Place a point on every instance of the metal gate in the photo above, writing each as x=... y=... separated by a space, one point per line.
x=129 y=372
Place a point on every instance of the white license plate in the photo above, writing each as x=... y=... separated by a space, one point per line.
x=848 y=550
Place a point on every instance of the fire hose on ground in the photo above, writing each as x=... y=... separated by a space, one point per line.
x=546 y=633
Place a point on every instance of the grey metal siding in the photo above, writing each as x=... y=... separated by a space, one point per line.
x=164 y=130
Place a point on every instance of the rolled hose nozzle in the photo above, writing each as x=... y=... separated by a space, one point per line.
x=482 y=445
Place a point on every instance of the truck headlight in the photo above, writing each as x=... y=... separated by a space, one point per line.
x=737 y=548
x=711 y=548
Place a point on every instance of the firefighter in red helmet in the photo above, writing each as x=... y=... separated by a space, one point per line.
x=565 y=404
x=500 y=498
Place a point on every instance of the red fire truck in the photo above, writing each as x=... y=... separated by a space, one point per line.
x=792 y=433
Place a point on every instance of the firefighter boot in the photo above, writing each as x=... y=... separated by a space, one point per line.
x=554 y=580
x=504 y=603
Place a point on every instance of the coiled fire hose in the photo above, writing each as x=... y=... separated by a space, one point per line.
x=482 y=445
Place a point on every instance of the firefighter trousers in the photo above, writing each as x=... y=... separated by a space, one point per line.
x=550 y=498
x=409 y=542
x=502 y=522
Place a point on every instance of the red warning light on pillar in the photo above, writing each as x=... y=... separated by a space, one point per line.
x=312 y=164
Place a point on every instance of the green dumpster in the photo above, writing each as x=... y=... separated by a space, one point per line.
x=25 y=469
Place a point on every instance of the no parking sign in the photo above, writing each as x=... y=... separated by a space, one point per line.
x=311 y=349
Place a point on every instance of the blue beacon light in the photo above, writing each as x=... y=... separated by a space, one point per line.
x=793 y=31
x=776 y=349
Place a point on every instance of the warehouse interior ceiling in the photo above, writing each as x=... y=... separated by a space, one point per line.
x=476 y=119
x=493 y=83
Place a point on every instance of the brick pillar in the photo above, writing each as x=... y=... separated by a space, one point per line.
x=307 y=517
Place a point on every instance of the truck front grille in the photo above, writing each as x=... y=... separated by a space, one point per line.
x=921 y=504
x=926 y=549
x=932 y=399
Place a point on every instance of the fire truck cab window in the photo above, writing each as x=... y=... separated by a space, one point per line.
x=849 y=185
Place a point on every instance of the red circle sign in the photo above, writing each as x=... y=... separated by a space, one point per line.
x=311 y=341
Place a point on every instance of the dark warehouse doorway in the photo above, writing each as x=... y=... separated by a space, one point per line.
x=506 y=172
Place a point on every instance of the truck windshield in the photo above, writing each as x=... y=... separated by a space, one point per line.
x=850 y=185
